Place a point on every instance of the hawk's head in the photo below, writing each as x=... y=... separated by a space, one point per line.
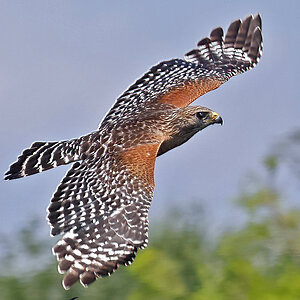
x=199 y=117
x=193 y=119
x=185 y=122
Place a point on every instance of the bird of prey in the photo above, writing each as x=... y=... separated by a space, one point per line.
x=101 y=205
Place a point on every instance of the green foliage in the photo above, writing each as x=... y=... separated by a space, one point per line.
x=271 y=162
x=263 y=197
x=259 y=260
x=164 y=280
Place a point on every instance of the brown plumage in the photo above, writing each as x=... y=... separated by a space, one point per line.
x=101 y=206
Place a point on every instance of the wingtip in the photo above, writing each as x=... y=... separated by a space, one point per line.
x=10 y=176
x=217 y=34
x=204 y=41
x=249 y=18
x=66 y=287
x=7 y=176
x=257 y=35
x=257 y=17
x=235 y=23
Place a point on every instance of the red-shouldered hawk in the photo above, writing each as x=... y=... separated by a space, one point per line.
x=101 y=206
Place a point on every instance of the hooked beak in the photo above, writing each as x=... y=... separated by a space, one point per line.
x=216 y=118
x=219 y=120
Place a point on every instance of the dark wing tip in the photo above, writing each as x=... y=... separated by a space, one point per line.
x=87 y=278
x=217 y=34
x=70 y=279
x=193 y=52
x=257 y=18
x=204 y=41
x=257 y=35
x=255 y=48
x=6 y=175
x=243 y=32
x=10 y=174
x=232 y=33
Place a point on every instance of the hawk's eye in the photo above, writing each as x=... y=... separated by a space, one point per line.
x=201 y=114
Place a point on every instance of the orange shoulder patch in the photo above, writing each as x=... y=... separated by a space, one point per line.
x=184 y=95
x=140 y=161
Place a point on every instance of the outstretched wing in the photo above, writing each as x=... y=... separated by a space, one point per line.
x=102 y=205
x=181 y=81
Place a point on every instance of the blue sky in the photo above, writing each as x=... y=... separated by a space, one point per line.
x=63 y=64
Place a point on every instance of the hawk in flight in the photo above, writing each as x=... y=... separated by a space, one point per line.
x=101 y=206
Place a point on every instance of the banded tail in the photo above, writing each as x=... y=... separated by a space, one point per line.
x=43 y=156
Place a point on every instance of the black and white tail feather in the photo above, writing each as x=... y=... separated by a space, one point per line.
x=42 y=156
